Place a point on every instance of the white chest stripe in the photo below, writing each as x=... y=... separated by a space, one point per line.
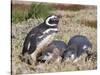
x=50 y=29
x=47 y=31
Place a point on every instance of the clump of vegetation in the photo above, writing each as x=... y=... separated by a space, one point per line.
x=19 y=16
x=90 y=23
x=36 y=10
x=39 y=10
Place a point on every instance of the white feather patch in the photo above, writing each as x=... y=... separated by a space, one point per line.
x=85 y=47
x=40 y=36
x=72 y=56
x=28 y=46
x=47 y=57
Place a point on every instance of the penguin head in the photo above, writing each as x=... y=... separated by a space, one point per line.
x=52 y=20
x=46 y=56
x=87 y=46
x=70 y=53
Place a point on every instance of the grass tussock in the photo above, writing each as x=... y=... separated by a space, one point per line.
x=23 y=12
x=71 y=23
x=90 y=23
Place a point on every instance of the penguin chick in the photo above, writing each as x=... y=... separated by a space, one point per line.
x=53 y=53
x=77 y=46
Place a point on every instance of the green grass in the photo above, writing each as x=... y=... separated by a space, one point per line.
x=19 y=16
x=35 y=11
x=39 y=10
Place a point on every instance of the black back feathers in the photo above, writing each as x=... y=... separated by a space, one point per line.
x=38 y=33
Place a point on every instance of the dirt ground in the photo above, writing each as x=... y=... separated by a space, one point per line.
x=81 y=22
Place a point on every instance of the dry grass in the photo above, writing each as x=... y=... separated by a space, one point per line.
x=72 y=23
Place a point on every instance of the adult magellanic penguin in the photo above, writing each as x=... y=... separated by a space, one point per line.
x=39 y=37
